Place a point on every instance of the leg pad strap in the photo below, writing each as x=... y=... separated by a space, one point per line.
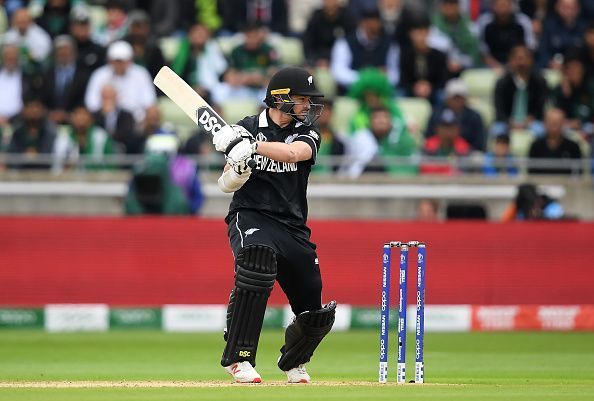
x=304 y=334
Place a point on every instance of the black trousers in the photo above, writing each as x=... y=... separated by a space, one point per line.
x=297 y=262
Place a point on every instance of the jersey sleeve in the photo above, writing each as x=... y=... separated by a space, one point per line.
x=312 y=137
x=250 y=124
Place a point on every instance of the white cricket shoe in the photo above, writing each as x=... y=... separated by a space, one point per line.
x=243 y=372
x=298 y=375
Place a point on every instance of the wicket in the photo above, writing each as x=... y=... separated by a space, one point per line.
x=402 y=305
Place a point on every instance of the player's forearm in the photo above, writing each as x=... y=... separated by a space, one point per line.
x=282 y=152
x=230 y=181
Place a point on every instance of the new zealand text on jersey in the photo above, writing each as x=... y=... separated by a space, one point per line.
x=266 y=164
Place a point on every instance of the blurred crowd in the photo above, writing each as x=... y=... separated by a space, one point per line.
x=456 y=80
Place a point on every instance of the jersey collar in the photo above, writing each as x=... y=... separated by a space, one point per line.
x=263 y=119
x=263 y=122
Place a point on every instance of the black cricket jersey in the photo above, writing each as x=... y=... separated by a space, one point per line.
x=276 y=189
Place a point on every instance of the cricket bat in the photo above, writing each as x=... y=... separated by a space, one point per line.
x=186 y=98
x=191 y=103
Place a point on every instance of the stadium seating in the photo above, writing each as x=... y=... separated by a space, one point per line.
x=520 y=141
x=480 y=82
x=584 y=145
x=325 y=82
x=416 y=113
x=553 y=77
x=290 y=50
x=3 y=20
x=171 y=113
x=484 y=107
x=228 y=43
x=234 y=110
x=98 y=15
x=169 y=46
x=344 y=108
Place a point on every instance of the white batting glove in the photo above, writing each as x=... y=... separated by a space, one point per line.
x=240 y=155
x=229 y=134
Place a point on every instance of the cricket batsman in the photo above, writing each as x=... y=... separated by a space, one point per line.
x=269 y=158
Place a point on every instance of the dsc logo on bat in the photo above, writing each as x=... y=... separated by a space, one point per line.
x=209 y=122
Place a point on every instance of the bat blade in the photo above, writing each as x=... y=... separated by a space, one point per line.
x=186 y=98
x=191 y=103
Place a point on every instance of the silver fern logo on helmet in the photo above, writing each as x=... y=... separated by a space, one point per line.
x=310 y=80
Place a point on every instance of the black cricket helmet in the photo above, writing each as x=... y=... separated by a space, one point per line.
x=291 y=81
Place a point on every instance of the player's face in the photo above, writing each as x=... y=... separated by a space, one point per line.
x=302 y=106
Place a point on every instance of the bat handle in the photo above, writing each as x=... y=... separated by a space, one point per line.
x=252 y=163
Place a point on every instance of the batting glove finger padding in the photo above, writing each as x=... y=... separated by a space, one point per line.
x=240 y=155
x=229 y=134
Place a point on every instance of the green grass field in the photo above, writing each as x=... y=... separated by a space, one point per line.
x=477 y=366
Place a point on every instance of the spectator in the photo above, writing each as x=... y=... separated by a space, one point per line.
x=502 y=29
x=555 y=145
x=200 y=144
x=447 y=142
x=500 y=161
x=428 y=211
x=11 y=82
x=462 y=47
x=151 y=125
x=34 y=43
x=152 y=190
x=563 y=30
x=368 y=46
x=324 y=27
x=33 y=134
x=205 y=12
x=422 y=72
x=587 y=10
x=472 y=128
x=11 y=6
x=133 y=83
x=331 y=143
x=392 y=13
x=373 y=90
x=369 y=148
x=65 y=82
x=466 y=211
x=395 y=15
x=520 y=95
x=272 y=14
x=147 y=52
x=532 y=204
x=90 y=54
x=81 y=138
x=587 y=51
x=200 y=61
x=54 y=19
x=358 y=7
x=537 y=11
x=118 y=123
x=176 y=21
x=183 y=171
x=575 y=95
x=116 y=24
x=250 y=67
x=165 y=18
